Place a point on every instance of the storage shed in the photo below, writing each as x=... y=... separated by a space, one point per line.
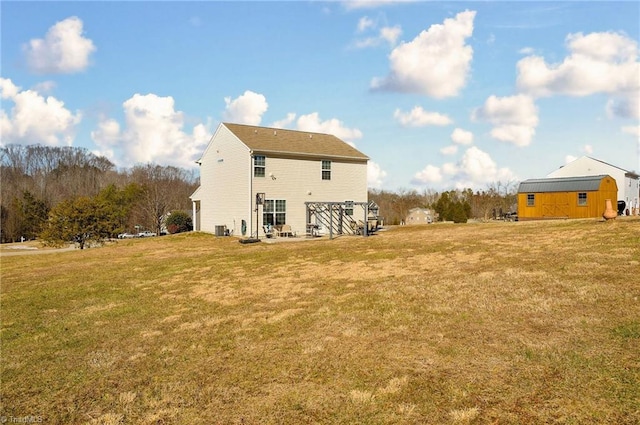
x=567 y=197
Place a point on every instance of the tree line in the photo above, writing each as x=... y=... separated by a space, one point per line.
x=43 y=186
x=458 y=206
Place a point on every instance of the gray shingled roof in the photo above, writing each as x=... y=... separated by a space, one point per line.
x=562 y=184
x=264 y=140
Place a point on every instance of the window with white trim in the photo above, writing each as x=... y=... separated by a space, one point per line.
x=582 y=199
x=348 y=208
x=326 y=170
x=259 y=167
x=531 y=199
x=274 y=212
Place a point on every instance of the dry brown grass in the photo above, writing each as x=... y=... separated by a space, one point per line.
x=535 y=322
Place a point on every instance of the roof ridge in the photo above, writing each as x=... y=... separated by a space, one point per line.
x=280 y=128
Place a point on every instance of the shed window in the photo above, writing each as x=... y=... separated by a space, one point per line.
x=531 y=199
x=259 y=166
x=582 y=198
x=326 y=170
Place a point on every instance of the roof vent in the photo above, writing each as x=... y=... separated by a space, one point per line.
x=275 y=133
x=311 y=136
x=255 y=131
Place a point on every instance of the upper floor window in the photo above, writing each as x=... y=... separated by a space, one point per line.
x=259 y=166
x=531 y=199
x=326 y=170
x=582 y=198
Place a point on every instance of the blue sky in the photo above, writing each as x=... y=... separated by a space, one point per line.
x=440 y=95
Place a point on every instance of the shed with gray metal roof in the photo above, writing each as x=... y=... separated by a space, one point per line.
x=566 y=197
x=561 y=184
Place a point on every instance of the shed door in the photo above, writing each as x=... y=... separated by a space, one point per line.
x=556 y=205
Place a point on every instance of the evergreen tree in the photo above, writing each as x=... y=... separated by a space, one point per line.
x=80 y=220
x=31 y=214
x=118 y=205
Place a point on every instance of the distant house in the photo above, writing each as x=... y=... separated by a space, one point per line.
x=419 y=216
x=566 y=197
x=290 y=168
x=628 y=181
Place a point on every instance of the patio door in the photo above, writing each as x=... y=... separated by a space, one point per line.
x=274 y=212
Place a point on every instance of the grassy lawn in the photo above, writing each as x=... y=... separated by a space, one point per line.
x=511 y=323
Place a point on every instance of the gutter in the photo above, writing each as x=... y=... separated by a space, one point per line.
x=312 y=155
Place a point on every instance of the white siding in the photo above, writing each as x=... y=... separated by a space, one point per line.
x=227 y=186
x=224 y=183
x=298 y=181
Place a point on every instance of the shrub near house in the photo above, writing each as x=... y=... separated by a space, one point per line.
x=179 y=221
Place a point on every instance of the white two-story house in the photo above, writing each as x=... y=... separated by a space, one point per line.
x=289 y=167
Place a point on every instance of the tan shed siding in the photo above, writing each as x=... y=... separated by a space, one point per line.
x=565 y=204
x=224 y=174
x=300 y=180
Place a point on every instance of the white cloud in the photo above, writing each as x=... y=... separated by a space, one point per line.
x=418 y=117
x=107 y=138
x=245 y=109
x=569 y=158
x=153 y=133
x=626 y=105
x=391 y=34
x=286 y=122
x=8 y=89
x=449 y=150
x=478 y=167
x=449 y=169
x=461 y=137
x=526 y=51
x=64 y=50
x=436 y=63
x=430 y=174
x=312 y=122
x=375 y=175
x=387 y=35
x=514 y=118
x=588 y=149
x=35 y=119
x=474 y=170
x=45 y=87
x=370 y=4
x=633 y=130
x=365 y=23
x=5 y=128
x=603 y=62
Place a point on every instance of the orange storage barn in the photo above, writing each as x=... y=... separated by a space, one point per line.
x=566 y=197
